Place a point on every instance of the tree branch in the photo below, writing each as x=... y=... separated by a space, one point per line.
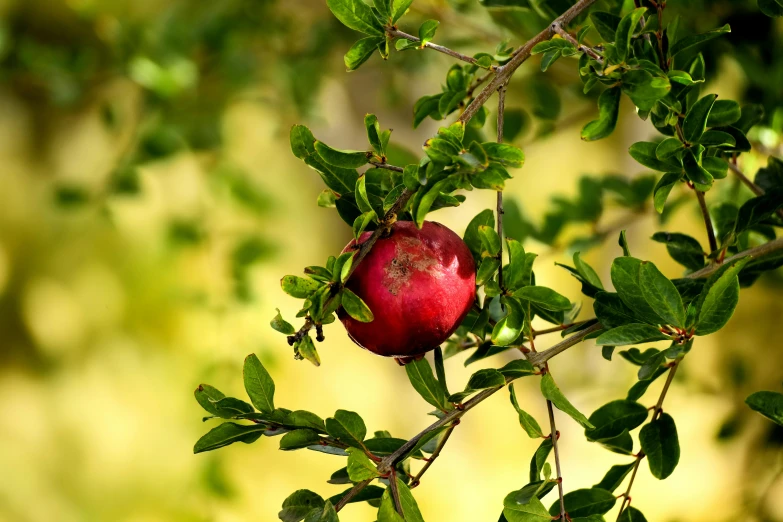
x=535 y=359
x=435 y=47
x=570 y=39
x=386 y=166
x=707 y=220
x=435 y=454
x=770 y=247
x=501 y=114
x=504 y=72
x=758 y=191
x=640 y=456
x=556 y=435
x=352 y=493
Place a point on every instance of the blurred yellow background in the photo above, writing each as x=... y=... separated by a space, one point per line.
x=113 y=308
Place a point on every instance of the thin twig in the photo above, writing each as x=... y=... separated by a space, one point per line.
x=435 y=454
x=501 y=114
x=505 y=72
x=746 y=180
x=352 y=493
x=435 y=47
x=379 y=165
x=477 y=82
x=570 y=39
x=770 y=247
x=758 y=191
x=707 y=220
x=395 y=491
x=640 y=456
x=555 y=435
x=537 y=359
x=448 y=418
x=560 y=328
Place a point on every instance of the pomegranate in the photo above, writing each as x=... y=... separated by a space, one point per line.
x=419 y=284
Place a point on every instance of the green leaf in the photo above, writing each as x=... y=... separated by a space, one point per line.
x=630 y=334
x=722 y=296
x=505 y=154
x=228 y=433
x=472 y=237
x=346 y=159
x=508 y=329
x=716 y=138
x=341 y=181
x=758 y=209
x=767 y=403
x=631 y=514
x=325 y=514
x=299 y=287
x=552 y=393
x=305 y=419
x=625 y=29
x=606 y=24
x=644 y=89
x=410 y=509
x=207 y=396
x=611 y=311
x=387 y=511
x=528 y=423
x=611 y=419
x=306 y=349
x=361 y=51
x=359 y=466
x=668 y=148
x=614 y=477
x=645 y=152
x=348 y=427
x=585 y=502
x=698 y=39
x=693 y=169
x=587 y=272
x=427 y=31
x=695 y=121
x=356 y=15
x=544 y=297
x=399 y=7
x=487 y=269
x=608 y=109
x=424 y=382
x=539 y=459
x=326 y=199
x=355 y=307
x=532 y=511
x=230 y=407
x=661 y=294
x=639 y=389
x=724 y=112
x=299 y=504
x=486 y=378
x=517 y=368
x=490 y=241
x=663 y=188
x=717 y=167
x=361 y=222
x=259 y=384
x=625 y=273
x=682 y=248
x=373 y=129
x=660 y=443
x=298 y=439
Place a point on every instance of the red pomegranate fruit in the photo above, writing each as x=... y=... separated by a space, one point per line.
x=419 y=285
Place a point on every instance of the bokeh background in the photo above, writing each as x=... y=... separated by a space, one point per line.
x=149 y=205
